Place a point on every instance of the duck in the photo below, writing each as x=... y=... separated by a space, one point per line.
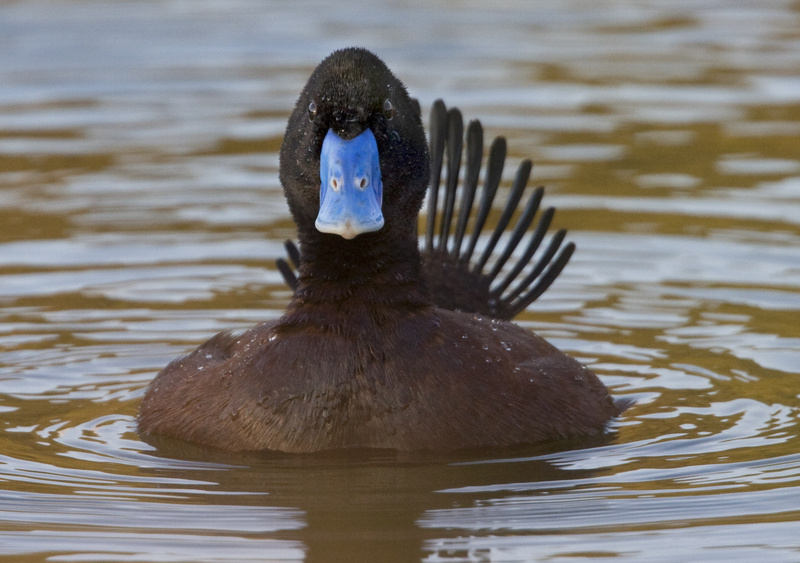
x=363 y=357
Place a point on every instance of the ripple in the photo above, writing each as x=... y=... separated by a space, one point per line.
x=120 y=546
x=141 y=211
x=717 y=543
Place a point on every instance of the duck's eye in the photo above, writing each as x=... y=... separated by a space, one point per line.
x=312 y=111
x=388 y=109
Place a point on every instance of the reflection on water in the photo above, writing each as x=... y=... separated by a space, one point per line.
x=140 y=213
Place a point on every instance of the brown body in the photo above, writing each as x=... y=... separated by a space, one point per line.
x=434 y=379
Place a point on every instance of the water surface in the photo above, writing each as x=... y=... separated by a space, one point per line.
x=140 y=213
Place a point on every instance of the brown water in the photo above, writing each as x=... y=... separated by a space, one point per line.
x=140 y=213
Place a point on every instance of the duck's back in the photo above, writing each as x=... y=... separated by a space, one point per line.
x=439 y=381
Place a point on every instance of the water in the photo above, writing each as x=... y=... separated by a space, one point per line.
x=140 y=213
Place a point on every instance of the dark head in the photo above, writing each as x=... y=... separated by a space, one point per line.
x=351 y=99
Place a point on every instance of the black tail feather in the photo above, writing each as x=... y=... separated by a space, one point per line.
x=470 y=185
x=455 y=136
x=521 y=228
x=525 y=299
x=494 y=173
x=286 y=269
x=437 y=135
x=533 y=245
x=517 y=189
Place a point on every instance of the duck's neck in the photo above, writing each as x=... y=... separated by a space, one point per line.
x=348 y=285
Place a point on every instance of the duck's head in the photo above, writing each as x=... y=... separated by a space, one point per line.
x=354 y=159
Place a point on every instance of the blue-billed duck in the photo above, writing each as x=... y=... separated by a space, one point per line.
x=366 y=355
